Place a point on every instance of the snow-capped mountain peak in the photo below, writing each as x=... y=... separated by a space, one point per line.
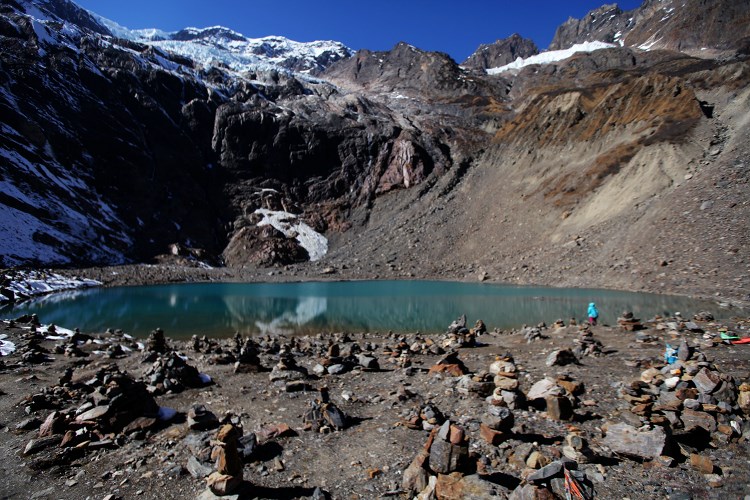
x=220 y=45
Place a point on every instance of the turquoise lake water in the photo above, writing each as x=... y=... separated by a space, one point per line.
x=221 y=309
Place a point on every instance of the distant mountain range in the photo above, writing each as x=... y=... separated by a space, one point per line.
x=121 y=146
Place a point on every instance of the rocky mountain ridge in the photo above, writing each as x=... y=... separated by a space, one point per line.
x=119 y=150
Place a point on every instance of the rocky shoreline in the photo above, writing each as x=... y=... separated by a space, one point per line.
x=641 y=409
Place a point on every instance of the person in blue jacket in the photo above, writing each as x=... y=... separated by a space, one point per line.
x=593 y=314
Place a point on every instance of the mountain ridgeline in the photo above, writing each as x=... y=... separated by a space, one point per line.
x=134 y=146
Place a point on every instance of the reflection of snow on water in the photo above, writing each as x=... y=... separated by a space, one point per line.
x=307 y=310
x=6 y=346
x=315 y=243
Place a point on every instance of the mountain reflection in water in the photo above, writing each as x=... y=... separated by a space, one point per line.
x=221 y=309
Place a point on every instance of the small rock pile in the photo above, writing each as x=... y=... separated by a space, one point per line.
x=287 y=370
x=248 y=359
x=506 y=392
x=228 y=476
x=629 y=322
x=450 y=365
x=683 y=402
x=113 y=406
x=559 y=397
x=533 y=333
x=425 y=418
x=324 y=416
x=171 y=373
x=552 y=479
x=338 y=360
x=458 y=335
x=586 y=344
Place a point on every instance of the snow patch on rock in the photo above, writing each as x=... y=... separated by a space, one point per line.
x=25 y=284
x=550 y=56
x=315 y=243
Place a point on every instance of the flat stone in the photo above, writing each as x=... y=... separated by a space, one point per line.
x=626 y=440
x=506 y=383
x=446 y=457
x=36 y=445
x=698 y=419
x=545 y=473
x=559 y=408
x=706 y=381
x=453 y=370
x=492 y=436
x=536 y=460
x=543 y=388
x=573 y=387
x=197 y=469
x=93 y=414
x=140 y=424
x=336 y=369
x=456 y=486
x=416 y=476
x=531 y=492
x=701 y=463
x=209 y=495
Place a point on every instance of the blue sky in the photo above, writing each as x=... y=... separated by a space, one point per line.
x=455 y=27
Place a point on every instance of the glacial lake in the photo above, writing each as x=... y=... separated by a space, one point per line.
x=221 y=309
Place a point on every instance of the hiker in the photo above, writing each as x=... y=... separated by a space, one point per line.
x=593 y=314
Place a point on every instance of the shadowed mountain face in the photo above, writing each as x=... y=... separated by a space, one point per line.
x=501 y=52
x=116 y=150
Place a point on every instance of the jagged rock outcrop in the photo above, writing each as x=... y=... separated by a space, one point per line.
x=501 y=52
x=662 y=24
x=605 y=24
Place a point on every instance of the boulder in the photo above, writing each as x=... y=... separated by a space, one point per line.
x=544 y=388
x=456 y=486
x=626 y=440
x=561 y=357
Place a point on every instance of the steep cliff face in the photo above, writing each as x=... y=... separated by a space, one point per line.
x=501 y=52
x=662 y=24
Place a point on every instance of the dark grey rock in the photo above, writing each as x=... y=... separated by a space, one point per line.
x=201 y=418
x=197 y=469
x=561 y=357
x=626 y=440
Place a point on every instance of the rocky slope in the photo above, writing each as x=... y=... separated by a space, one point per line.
x=501 y=52
x=662 y=24
x=620 y=167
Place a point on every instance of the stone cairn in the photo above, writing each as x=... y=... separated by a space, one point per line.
x=156 y=342
x=324 y=416
x=629 y=322
x=228 y=475
x=681 y=402
x=171 y=373
x=586 y=344
x=557 y=396
x=506 y=392
x=458 y=335
x=445 y=454
x=533 y=333
x=248 y=359
x=342 y=358
x=113 y=406
x=425 y=418
x=287 y=370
